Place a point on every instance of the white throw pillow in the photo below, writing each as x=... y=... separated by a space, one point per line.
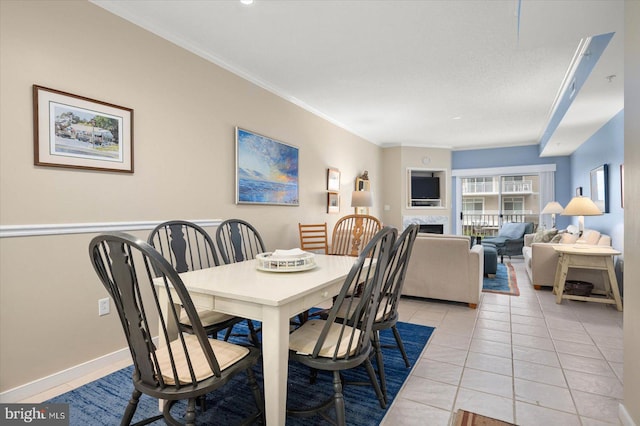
x=572 y=229
x=589 y=236
x=568 y=238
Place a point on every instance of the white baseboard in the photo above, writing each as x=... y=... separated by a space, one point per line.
x=624 y=416
x=65 y=376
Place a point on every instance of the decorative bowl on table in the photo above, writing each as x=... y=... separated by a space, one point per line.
x=293 y=260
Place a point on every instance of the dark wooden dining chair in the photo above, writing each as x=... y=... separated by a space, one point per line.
x=238 y=241
x=387 y=314
x=188 y=247
x=137 y=276
x=337 y=344
x=313 y=237
x=352 y=233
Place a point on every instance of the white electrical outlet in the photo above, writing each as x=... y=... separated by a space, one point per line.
x=103 y=306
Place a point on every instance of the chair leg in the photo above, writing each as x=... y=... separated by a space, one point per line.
x=313 y=376
x=339 y=399
x=374 y=382
x=303 y=317
x=396 y=334
x=380 y=362
x=202 y=399
x=255 y=389
x=131 y=408
x=190 y=416
x=253 y=336
x=228 y=333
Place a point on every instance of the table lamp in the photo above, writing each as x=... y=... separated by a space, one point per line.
x=359 y=199
x=581 y=206
x=552 y=208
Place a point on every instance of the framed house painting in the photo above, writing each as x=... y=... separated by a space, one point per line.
x=266 y=170
x=81 y=133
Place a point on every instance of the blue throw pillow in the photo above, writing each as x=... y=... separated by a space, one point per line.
x=512 y=230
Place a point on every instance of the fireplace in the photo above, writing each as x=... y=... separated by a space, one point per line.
x=432 y=229
x=428 y=224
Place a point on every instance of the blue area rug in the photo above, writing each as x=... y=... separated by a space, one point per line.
x=504 y=282
x=103 y=401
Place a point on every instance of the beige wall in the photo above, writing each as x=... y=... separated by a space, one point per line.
x=185 y=110
x=631 y=218
x=393 y=177
x=428 y=159
x=395 y=162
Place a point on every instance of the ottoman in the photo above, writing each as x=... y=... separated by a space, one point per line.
x=490 y=259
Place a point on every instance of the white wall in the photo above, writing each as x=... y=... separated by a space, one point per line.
x=631 y=218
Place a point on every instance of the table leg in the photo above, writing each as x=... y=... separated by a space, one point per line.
x=172 y=326
x=554 y=289
x=561 y=276
x=613 y=283
x=275 y=361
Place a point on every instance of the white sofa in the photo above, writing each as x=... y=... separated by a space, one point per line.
x=444 y=267
x=541 y=259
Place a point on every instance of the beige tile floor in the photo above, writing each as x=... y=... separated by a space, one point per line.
x=525 y=360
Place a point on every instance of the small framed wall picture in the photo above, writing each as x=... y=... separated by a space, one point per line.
x=333 y=180
x=333 y=202
x=81 y=133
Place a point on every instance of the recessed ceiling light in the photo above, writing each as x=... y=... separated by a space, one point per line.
x=247 y=2
x=457 y=118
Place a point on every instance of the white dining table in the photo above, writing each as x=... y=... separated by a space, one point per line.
x=241 y=289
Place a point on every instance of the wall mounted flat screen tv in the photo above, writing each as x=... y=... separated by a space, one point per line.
x=425 y=188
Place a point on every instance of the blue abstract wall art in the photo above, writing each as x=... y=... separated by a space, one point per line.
x=266 y=170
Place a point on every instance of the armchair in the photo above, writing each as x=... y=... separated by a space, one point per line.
x=510 y=238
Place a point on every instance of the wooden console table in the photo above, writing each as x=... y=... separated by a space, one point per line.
x=587 y=257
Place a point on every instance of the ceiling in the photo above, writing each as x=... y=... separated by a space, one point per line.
x=444 y=74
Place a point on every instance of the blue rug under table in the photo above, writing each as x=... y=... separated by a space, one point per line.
x=102 y=402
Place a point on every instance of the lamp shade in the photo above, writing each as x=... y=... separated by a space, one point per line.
x=552 y=207
x=581 y=206
x=361 y=199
